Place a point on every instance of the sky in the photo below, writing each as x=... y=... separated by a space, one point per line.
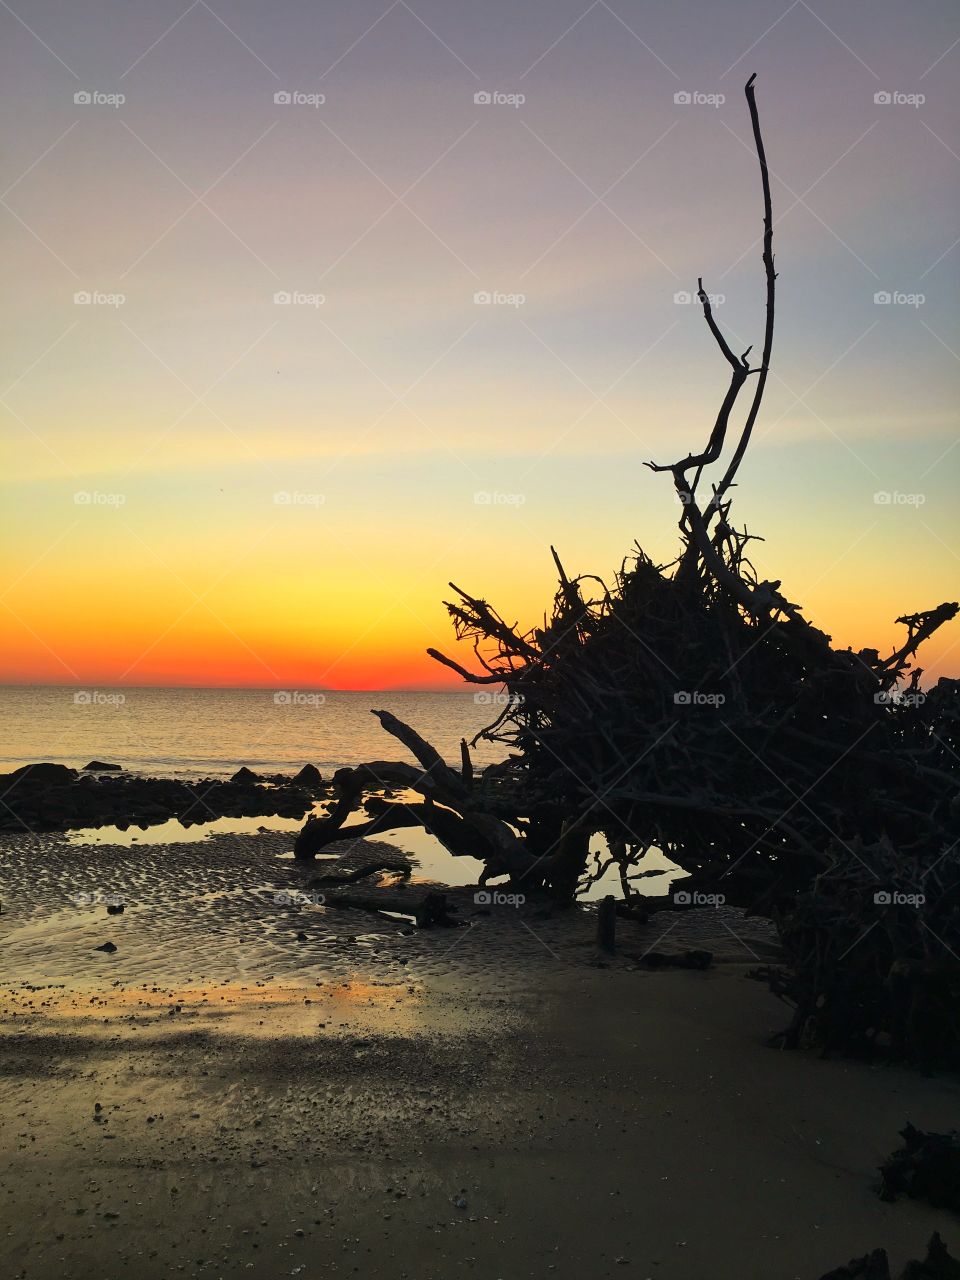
x=314 y=307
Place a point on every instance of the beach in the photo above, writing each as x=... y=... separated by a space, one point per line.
x=254 y=1083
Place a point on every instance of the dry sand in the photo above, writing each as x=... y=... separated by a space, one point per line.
x=377 y=1101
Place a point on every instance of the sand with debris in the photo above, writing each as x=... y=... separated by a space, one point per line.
x=254 y=1084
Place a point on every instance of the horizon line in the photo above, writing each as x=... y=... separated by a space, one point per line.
x=233 y=688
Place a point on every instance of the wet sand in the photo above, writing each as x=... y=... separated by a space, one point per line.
x=376 y=1100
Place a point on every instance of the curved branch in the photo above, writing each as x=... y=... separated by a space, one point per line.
x=771 y=277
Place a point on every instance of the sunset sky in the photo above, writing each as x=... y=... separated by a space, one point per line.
x=203 y=485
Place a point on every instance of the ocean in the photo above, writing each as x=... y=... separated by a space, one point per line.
x=199 y=733
x=210 y=733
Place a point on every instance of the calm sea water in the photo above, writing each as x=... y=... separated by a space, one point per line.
x=211 y=732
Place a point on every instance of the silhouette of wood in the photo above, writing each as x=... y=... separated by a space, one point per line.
x=691 y=708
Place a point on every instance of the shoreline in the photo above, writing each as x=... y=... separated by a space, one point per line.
x=288 y=1089
x=438 y=1128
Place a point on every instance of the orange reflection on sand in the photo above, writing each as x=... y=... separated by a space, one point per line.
x=266 y=1009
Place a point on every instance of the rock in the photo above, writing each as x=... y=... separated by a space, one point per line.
x=309 y=776
x=244 y=774
x=99 y=766
x=115 y=908
x=109 y=947
x=42 y=774
x=301 y=937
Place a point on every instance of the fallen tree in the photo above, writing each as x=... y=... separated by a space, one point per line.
x=691 y=708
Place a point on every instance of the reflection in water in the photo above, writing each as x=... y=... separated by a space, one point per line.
x=429 y=856
x=175 y=832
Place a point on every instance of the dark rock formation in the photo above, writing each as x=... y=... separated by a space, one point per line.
x=40 y=774
x=51 y=797
x=309 y=776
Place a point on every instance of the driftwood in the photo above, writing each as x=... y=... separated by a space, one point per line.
x=937 y=1265
x=366 y=869
x=427 y=909
x=691 y=708
x=926 y=1167
x=607 y=925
